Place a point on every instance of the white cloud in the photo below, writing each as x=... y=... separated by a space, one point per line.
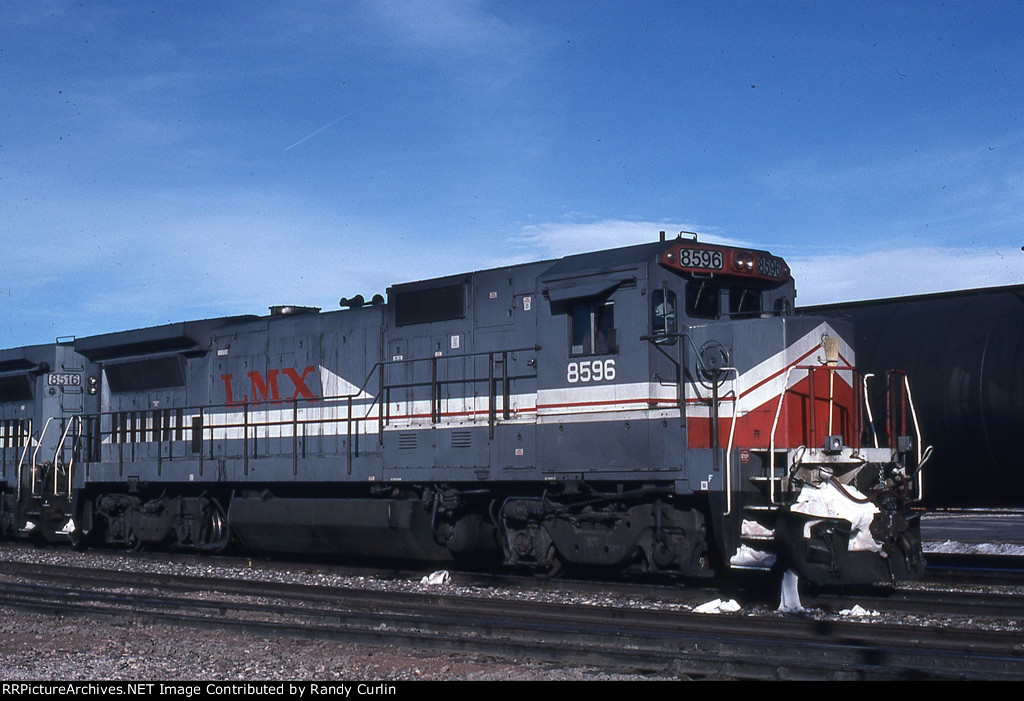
x=895 y=272
x=461 y=27
x=171 y=256
x=557 y=239
x=820 y=277
x=155 y=258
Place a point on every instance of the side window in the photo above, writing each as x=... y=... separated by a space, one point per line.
x=592 y=329
x=441 y=303
x=702 y=299
x=663 y=313
x=146 y=374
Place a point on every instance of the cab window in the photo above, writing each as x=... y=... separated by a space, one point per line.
x=592 y=328
x=663 y=313
x=702 y=299
x=744 y=302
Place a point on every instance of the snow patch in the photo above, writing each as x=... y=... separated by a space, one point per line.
x=790 y=599
x=829 y=501
x=748 y=558
x=439 y=578
x=951 y=547
x=753 y=528
x=718 y=606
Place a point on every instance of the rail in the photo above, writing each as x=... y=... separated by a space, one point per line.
x=301 y=427
x=33 y=468
x=771 y=441
x=70 y=464
x=901 y=416
x=921 y=451
x=12 y=440
x=867 y=409
x=35 y=484
x=809 y=430
x=658 y=341
x=197 y=431
x=21 y=461
x=728 y=449
x=436 y=384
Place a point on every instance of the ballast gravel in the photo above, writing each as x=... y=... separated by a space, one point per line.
x=43 y=647
x=39 y=647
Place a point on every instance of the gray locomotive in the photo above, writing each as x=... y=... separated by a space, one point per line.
x=655 y=408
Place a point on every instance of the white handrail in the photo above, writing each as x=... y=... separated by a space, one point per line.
x=57 y=452
x=867 y=408
x=21 y=461
x=917 y=432
x=728 y=450
x=35 y=453
x=831 y=399
x=771 y=442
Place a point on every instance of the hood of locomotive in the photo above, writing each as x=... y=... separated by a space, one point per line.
x=787 y=396
x=779 y=382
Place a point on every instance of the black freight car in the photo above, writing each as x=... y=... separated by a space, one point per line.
x=964 y=353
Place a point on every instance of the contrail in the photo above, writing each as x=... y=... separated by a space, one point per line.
x=326 y=126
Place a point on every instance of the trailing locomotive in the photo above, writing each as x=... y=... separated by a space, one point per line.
x=655 y=407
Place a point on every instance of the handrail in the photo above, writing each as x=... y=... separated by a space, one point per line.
x=832 y=400
x=435 y=384
x=867 y=408
x=728 y=450
x=474 y=354
x=771 y=442
x=56 y=453
x=21 y=461
x=899 y=398
x=354 y=407
x=913 y=415
x=917 y=432
x=656 y=341
x=35 y=453
x=812 y=398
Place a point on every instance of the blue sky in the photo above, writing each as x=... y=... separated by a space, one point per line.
x=163 y=161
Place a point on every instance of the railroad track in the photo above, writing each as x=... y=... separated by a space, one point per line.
x=739 y=646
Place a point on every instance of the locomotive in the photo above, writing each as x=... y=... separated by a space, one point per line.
x=655 y=408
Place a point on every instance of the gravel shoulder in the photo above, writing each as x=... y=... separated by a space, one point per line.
x=38 y=647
